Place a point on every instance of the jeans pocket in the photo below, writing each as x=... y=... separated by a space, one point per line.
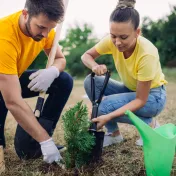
x=151 y=108
x=161 y=102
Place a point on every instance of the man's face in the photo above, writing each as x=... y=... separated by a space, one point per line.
x=39 y=26
x=123 y=35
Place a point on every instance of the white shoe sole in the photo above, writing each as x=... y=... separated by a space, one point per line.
x=139 y=142
x=109 y=140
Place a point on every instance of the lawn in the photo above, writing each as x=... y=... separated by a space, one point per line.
x=125 y=159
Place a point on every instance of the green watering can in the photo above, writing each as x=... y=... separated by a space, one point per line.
x=158 y=145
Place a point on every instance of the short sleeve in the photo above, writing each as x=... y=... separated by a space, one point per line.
x=49 y=40
x=104 y=46
x=8 y=58
x=147 y=68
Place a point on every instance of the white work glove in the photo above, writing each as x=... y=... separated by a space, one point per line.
x=50 y=151
x=42 y=79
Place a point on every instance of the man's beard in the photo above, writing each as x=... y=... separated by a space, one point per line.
x=38 y=37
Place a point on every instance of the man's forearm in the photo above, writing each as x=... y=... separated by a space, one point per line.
x=25 y=117
x=18 y=107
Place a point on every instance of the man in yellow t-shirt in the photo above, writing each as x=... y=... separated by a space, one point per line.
x=137 y=62
x=23 y=35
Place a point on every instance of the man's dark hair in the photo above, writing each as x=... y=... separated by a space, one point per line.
x=53 y=9
x=125 y=12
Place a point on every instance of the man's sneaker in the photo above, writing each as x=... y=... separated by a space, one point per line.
x=109 y=140
x=139 y=142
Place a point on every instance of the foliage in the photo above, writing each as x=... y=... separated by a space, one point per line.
x=77 y=36
x=40 y=61
x=79 y=142
x=108 y=61
x=78 y=40
x=162 y=34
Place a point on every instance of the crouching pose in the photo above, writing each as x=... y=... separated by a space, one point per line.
x=23 y=35
x=136 y=59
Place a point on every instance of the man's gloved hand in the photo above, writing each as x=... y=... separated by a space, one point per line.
x=50 y=151
x=42 y=79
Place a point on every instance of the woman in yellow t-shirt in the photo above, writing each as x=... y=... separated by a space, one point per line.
x=137 y=62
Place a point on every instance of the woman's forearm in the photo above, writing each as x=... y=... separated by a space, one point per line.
x=88 y=61
x=132 y=106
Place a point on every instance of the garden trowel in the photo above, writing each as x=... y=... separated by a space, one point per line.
x=99 y=135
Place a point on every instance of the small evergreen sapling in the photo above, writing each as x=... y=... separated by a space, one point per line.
x=79 y=142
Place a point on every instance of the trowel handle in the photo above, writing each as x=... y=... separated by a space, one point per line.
x=96 y=103
x=93 y=126
x=107 y=76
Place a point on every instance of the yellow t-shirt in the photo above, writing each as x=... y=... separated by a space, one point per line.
x=142 y=65
x=17 y=51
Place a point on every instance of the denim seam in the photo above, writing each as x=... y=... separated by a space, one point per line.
x=106 y=107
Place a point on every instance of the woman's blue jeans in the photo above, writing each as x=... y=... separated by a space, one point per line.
x=117 y=95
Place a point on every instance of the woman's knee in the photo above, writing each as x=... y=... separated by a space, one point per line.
x=103 y=108
x=111 y=103
x=87 y=83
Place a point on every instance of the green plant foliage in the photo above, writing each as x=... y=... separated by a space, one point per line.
x=162 y=34
x=78 y=40
x=79 y=142
x=40 y=61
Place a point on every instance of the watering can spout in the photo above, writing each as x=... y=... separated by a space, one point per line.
x=144 y=129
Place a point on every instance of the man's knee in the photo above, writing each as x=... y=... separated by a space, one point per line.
x=3 y=114
x=64 y=84
x=26 y=147
x=65 y=80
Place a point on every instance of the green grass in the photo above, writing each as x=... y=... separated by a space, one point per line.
x=170 y=73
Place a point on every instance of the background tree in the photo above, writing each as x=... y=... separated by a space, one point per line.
x=40 y=61
x=78 y=40
x=162 y=34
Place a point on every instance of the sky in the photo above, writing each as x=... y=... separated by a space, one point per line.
x=95 y=12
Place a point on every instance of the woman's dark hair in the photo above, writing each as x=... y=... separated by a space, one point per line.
x=53 y=9
x=125 y=12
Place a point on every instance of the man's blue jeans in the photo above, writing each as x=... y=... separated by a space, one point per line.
x=117 y=95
